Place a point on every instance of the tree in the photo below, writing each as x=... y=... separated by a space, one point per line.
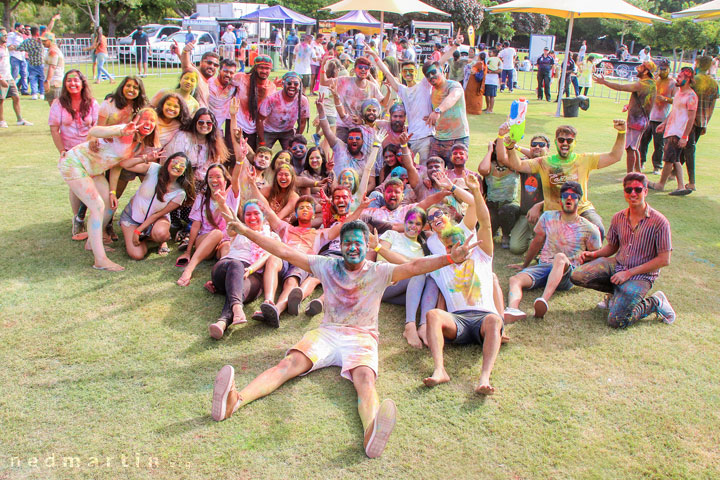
x=9 y=8
x=529 y=23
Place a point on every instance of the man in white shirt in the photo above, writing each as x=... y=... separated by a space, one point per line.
x=18 y=63
x=228 y=40
x=581 y=52
x=359 y=43
x=391 y=48
x=507 y=56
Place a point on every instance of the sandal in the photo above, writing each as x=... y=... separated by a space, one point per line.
x=110 y=231
x=79 y=231
x=163 y=250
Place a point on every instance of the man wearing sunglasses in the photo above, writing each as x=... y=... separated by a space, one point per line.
x=560 y=238
x=638 y=246
x=566 y=165
x=642 y=97
x=280 y=111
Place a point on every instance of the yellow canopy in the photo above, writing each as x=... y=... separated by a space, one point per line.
x=706 y=11
x=394 y=6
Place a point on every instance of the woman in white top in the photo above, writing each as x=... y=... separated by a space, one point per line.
x=239 y=274
x=172 y=112
x=146 y=217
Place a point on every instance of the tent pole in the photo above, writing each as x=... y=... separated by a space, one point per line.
x=382 y=32
x=565 y=64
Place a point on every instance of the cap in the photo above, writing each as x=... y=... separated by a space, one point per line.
x=263 y=60
x=546 y=48
x=48 y=36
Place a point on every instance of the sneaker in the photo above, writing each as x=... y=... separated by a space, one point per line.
x=225 y=397
x=217 y=329
x=511 y=315
x=663 y=308
x=604 y=304
x=314 y=307
x=378 y=433
x=541 y=307
x=316 y=139
x=3 y=124
x=34 y=96
x=24 y=123
x=41 y=97
x=294 y=299
x=657 y=171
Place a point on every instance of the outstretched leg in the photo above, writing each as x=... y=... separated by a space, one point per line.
x=206 y=248
x=440 y=325
x=491 y=332
x=378 y=419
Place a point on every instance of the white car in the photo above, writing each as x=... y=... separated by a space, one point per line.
x=162 y=54
x=155 y=33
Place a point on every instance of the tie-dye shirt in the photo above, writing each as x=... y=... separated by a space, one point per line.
x=640 y=104
x=352 y=97
x=570 y=238
x=706 y=89
x=281 y=115
x=468 y=285
x=453 y=123
x=352 y=298
x=554 y=171
x=660 y=110
x=113 y=115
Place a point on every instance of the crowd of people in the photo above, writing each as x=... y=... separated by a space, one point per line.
x=380 y=207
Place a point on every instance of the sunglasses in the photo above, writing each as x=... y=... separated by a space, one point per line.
x=204 y=123
x=409 y=70
x=565 y=140
x=362 y=67
x=297 y=147
x=292 y=84
x=566 y=195
x=436 y=214
x=432 y=73
x=637 y=190
x=538 y=144
x=356 y=139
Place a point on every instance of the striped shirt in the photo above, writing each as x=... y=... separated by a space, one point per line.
x=639 y=245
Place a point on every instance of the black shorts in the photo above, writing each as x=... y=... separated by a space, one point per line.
x=469 y=323
x=289 y=270
x=672 y=152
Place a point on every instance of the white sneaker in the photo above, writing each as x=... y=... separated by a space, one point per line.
x=34 y=96
x=24 y=123
x=604 y=304
x=511 y=315
x=3 y=124
x=41 y=97
x=664 y=310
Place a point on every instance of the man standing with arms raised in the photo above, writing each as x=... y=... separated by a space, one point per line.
x=664 y=91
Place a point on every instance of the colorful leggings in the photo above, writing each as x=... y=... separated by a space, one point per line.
x=628 y=303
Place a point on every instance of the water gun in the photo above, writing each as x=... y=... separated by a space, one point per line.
x=516 y=119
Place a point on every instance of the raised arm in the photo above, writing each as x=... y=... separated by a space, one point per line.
x=485 y=164
x=380 y=136
x=268 y=244
x=446 y=56
x=406 y=160
x=322 y=120
x=460 y=194
x=383 y=248
x=621 y=87
x=186 y=62
x=375 y=58
x=507 y=155
x=484 y=232
x=458 y=254
x=614 y=155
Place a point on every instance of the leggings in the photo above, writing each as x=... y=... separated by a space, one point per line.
x=503 y=216
x=409 y=292
x=689 y=151
x=228 y=277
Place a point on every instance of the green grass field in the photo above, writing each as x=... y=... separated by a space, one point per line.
x=110 y=376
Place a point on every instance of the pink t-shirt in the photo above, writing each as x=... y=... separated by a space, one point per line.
x=683 y=103
x=353 y=96
x=198 y=212
x=219 y=100
x=73 y=130
x=242 y=82
x=113 y=115
x=281 y=115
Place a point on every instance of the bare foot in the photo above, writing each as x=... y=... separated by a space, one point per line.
x=238 y=314
x=438 y=377
x=484 y=389
x=411 y=335
x=504 y=339
x=422 y=333
x=210 y=286
x=109 y=266
x=184 y=279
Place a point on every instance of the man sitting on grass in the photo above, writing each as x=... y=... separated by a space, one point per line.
x=348 y=334
x=563 y=236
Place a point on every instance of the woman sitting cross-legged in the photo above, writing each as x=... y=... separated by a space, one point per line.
x=239 y=274
x=146 y=217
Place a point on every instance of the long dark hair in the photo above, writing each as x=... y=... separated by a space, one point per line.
x=308 y=168
x=252 y=94
x=273 y=162
x=185 y=180
x=207 y=196
x=184 y=115
x=276 y=192
x=395 y=149
x=86 y=98
x=121 y=102
x=218 y=151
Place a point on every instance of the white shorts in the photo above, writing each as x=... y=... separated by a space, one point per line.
x=336 y=346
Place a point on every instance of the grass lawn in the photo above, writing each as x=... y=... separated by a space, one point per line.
x=111 y=375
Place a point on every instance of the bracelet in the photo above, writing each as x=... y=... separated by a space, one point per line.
x=377 y=249
x=315 y=184
x=137 y=232
x=404 y=146
x=250 y=271
x=376 y=144
x=320 y=119
x=621 y=132
x=262 y=144
x=452 y=190
x=684 y=137
x=113 y=192
x=449 y=259
x=500 y=136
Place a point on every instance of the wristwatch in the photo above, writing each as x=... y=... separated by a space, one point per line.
x=437 y=110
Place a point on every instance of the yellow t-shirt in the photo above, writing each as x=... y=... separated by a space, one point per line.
x=554 y=172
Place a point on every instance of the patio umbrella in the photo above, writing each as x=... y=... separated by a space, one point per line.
x=393 y=6
x=706 y=11
x=572 y=9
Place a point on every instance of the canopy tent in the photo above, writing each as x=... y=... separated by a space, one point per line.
x=706 y=11
x=279 y=14
x=572 y=9
x=358 y=20
x=394 y=6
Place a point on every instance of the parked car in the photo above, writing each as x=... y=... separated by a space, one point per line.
x=155 y=33
x=161 y=53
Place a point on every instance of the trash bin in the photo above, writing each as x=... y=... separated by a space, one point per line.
x=275 y=55
x=571 y=106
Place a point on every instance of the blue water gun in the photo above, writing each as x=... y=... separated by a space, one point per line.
x=516 y=119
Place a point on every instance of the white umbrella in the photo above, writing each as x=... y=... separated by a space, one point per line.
x=393 y=6
x=572 y=9
x=706 y=11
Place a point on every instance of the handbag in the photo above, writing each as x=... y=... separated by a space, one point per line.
x=148 y=230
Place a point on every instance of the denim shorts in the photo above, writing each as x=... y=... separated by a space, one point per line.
x=491 y=90
x=468 y=323
x=539 y=274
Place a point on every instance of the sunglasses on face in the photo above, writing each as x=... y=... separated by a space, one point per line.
x=435 y=215
x=292 y=84
x=409 y=70
x=205 y=123
x=538 y=144
x=431 y=73
x=565 y=140
x=297 y=147
x=566 y=195
x=363 y=67
x=355 y=139
x=637 y=190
